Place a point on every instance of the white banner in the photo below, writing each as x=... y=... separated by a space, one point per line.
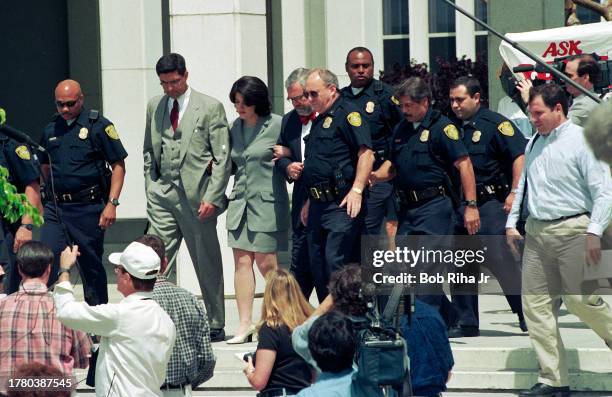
x=556 y=43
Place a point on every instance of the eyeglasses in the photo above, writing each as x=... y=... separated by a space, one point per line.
x=171 y=82
x=67 y=104
x=297 y=98
x=311 y=94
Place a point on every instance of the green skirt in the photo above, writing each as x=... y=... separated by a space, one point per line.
x=263 y=242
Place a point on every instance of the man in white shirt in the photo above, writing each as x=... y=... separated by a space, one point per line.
x=570 y=205
x=137 y=334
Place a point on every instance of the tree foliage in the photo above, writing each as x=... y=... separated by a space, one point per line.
x=14 y=205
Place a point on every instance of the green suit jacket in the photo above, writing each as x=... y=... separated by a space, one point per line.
x=260 y=191
x=205 y=147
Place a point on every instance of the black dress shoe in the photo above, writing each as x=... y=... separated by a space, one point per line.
x=217 y=334
x=522 y=323
x=463 y=332
x=542 y=390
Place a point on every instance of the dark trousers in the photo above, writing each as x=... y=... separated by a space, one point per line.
x=505 y=270
x=333 y=241
x=300 y=260
x=434 y=221
x=11 y=276
x=81 y=221
x=376 y=204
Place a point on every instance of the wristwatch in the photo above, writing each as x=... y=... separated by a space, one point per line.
x=62 y=270
x=114 y=202
x=28 y=226
x=471 y=203
x=357 y=190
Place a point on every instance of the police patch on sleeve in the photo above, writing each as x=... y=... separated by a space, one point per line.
x=23 y=152
x=354 y=119
x=451 y=132
x=506 y=128
x=111 y=132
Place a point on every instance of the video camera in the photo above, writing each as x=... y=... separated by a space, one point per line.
x=601 y=84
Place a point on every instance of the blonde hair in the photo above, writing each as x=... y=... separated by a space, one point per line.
x=283 y=303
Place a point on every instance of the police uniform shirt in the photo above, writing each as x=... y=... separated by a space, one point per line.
x=333 y=144
x=493 y=143
x=74 y=150
x=422 y=154
x=380 y=109
x=17 y=159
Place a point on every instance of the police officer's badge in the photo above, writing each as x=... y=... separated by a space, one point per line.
x=506 y=128
x=23 y=152
x=476 y=136
x=451 y=132
x=424 y=136
x=111 y=132
x=83 y=132
x=327 y=122
x=354 y=119
x=394 y=100
x=369 y=107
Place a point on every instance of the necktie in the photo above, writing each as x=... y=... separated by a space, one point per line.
x=174 y=115
x=306 y=119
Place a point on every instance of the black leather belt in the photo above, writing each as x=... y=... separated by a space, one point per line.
x=412 y=197
x=278 y=392
x=563 y=218
x=324 y=193
x=170 y=386
x=91 y=194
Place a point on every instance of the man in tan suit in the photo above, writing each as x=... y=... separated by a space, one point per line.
x=187 y=167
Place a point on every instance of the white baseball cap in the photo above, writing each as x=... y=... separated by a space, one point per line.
x=137 y=259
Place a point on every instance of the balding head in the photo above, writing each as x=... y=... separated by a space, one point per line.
x=69 y=99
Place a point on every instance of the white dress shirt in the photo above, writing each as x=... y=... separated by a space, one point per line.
x=564 y=179
x=183 y=101
x=305 y=132
x=137 y=340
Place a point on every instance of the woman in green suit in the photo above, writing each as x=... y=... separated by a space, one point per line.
x=258 y=210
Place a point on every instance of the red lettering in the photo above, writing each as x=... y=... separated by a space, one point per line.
x=551 y=50
x=573 y=47
x=563 y=48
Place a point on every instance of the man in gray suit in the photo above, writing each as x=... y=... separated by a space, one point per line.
x=583 y=70
x=187 y=167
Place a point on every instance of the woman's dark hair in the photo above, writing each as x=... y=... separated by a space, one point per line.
x=344 y=287
x=171 y=63
x=33 y=258
x=551 y=95
x=255 y=93
x=331 y=342
x=37 y=370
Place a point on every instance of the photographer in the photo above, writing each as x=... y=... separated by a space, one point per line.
x=583 y=70
x=277 y=369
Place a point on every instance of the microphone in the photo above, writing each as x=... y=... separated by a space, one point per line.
x=15 y=134
x=523 y=68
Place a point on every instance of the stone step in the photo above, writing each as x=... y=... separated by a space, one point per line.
x=466 y=378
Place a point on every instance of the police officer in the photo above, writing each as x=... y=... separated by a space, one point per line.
x=376 y=103
x=496 y=148
x=23 y=173
x=338 y=161
x=80 y=146
x=289 y=155
x=425 y=148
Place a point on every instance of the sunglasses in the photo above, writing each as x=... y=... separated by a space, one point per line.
x=67 y=104
x=311 y=94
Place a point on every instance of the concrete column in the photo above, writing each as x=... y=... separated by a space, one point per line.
x=465 y=42
x=418 y=14
x=221 y=41
x=130 y=43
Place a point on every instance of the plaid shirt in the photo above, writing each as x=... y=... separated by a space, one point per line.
x=30 y=331
x=192 y=360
